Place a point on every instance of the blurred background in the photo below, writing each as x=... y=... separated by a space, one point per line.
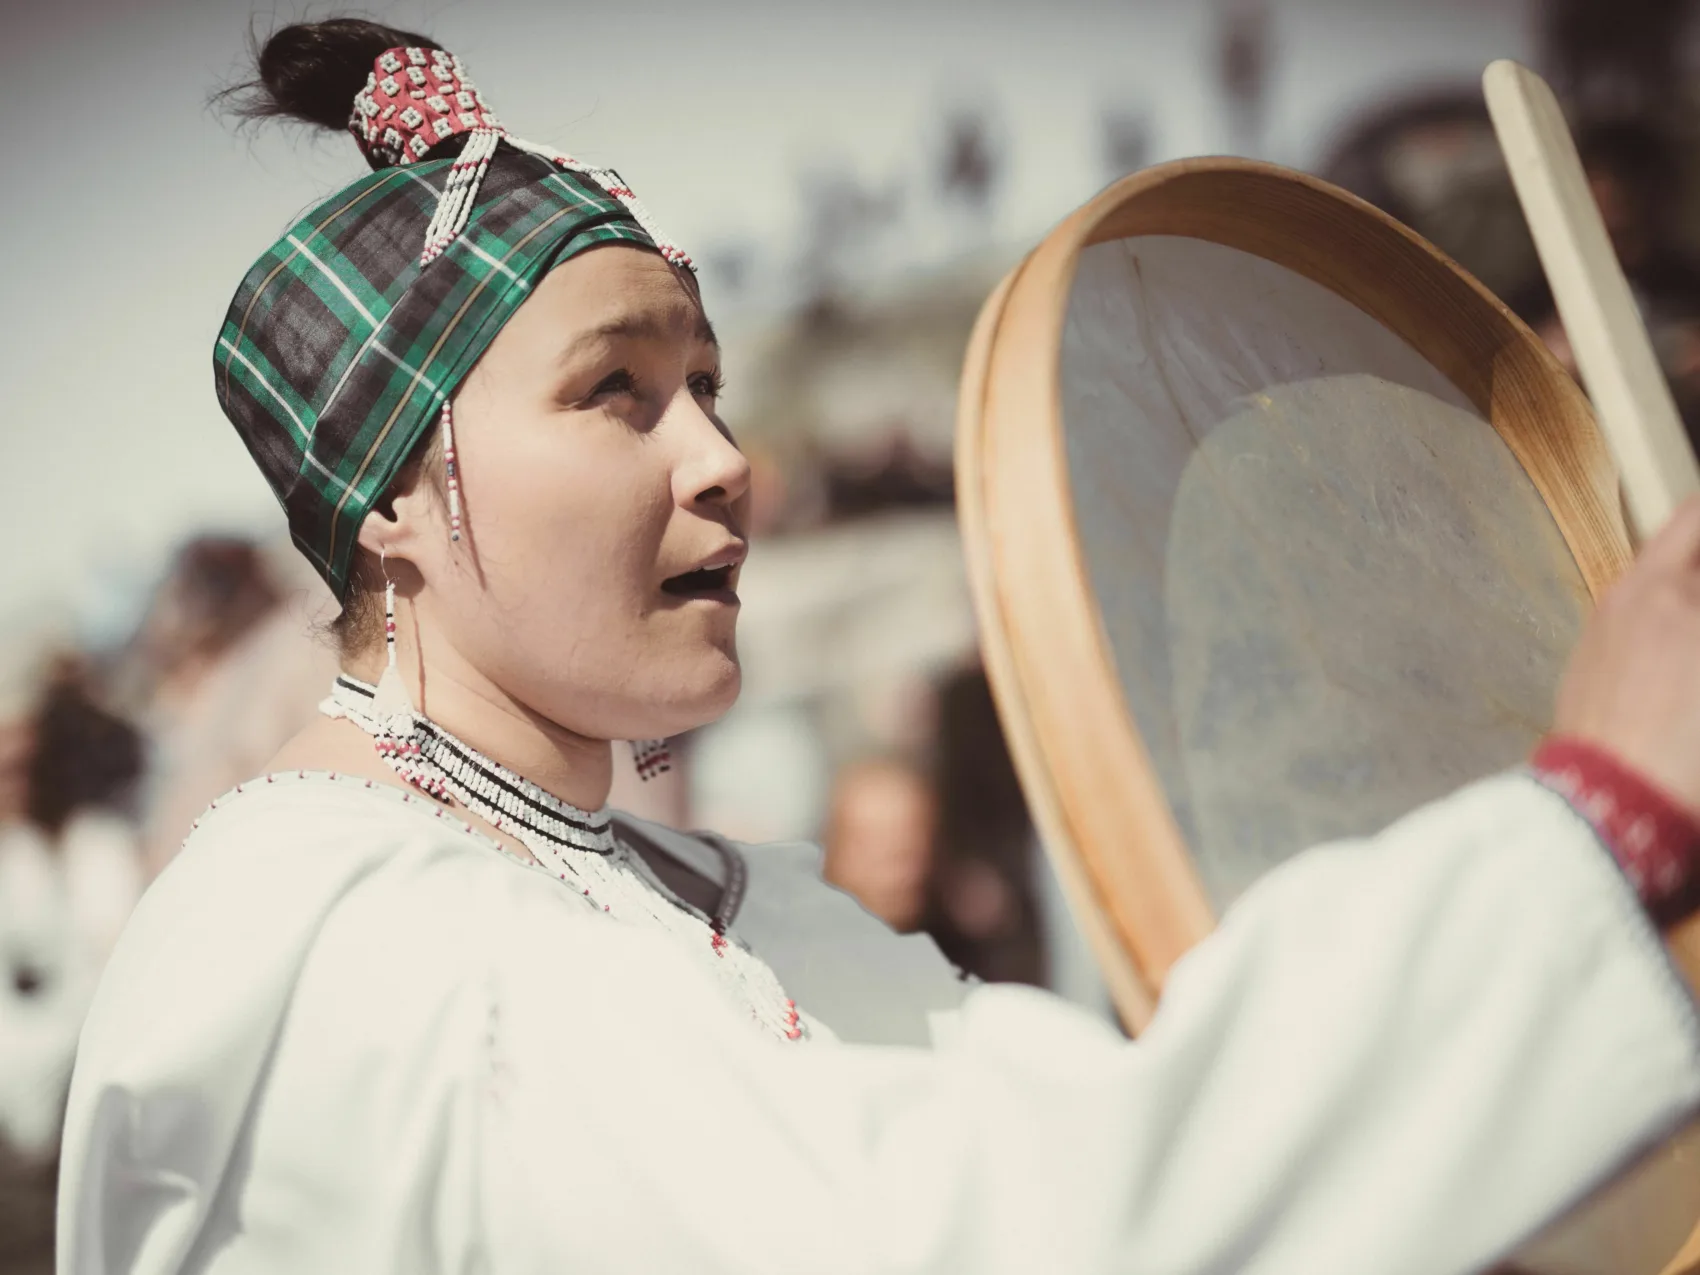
x=853 y=179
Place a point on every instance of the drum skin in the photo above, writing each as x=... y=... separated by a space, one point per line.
x=1264 y=500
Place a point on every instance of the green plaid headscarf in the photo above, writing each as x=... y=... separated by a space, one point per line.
x=339 y=349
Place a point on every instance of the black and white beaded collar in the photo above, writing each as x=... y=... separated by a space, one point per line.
x=432 y=759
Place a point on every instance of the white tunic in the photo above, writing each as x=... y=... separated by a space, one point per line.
x=341 y=1034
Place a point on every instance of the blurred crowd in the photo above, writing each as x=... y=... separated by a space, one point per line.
x=105 y=758
x=1625 y=73
x=867 y=723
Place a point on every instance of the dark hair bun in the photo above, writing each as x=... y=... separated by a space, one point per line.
x=311 y=71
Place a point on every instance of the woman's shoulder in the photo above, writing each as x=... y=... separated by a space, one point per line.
x=286 y=851
x=314 y=932
x=308 y=812
x=283 y=868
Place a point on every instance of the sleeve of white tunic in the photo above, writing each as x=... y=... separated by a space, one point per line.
x=1397 y=1055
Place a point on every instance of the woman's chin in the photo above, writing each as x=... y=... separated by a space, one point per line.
x=706 y=697
x=722 y=692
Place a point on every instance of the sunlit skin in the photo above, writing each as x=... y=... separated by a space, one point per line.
x=593 y=469
x=1633 y=681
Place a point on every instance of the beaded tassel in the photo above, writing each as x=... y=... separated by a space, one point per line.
x=452 y=469
x=391 y=700
x=454 y=204
x=652 y=757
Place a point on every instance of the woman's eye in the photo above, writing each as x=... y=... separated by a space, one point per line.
x=708 y=384
x=621 y=382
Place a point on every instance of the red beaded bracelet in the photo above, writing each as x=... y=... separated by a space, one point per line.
x=1654 y=839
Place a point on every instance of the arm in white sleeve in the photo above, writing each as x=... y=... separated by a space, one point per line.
x=1397 y=1055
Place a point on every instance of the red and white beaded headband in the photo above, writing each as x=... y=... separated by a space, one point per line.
x=415 y=99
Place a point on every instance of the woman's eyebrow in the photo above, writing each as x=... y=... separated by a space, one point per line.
x=644 y=327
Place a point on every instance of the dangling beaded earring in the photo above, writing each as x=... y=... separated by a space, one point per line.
x=652 y=757
x=452 y=469
x=391 y=698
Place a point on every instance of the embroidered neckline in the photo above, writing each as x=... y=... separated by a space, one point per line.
x=387 y=792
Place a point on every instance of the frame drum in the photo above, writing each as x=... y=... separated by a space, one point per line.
x=1279 y=525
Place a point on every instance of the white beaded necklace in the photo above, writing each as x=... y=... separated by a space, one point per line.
x=578 y=846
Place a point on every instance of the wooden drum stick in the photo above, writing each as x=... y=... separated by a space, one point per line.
x=1631 y=400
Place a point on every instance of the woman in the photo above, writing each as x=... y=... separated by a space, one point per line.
x=413 y=1001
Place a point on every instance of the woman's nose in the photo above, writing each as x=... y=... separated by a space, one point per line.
x=714 y=471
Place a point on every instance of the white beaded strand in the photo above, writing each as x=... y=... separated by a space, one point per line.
x=611 y=182
x=451 y=469
x=454 y=204
x=390 y=698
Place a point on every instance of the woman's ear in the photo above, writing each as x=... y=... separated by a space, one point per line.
x=402 y=517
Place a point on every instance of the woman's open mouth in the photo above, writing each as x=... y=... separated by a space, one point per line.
x=712 y=583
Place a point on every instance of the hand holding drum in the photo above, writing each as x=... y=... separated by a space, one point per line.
x=1633 y=682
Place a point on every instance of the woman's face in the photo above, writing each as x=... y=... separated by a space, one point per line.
x=594 y=580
